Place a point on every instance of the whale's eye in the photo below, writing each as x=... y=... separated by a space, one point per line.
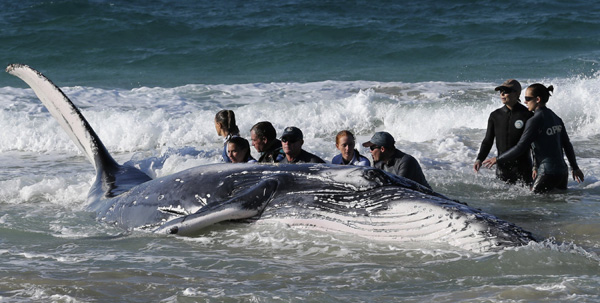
x=378 y=176
x=373 y=175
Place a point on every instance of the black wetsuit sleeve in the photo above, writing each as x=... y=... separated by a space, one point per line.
x=488 y=141
x=405 y=168
x=408 y=167
x=530 y=133
x=568 y=148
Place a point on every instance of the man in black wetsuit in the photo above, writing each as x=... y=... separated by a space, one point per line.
x=506 y=125
x=392 y=160
x=264 y=139
x=546 y=134
x=292 y=140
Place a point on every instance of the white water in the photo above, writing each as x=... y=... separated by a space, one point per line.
x=47 y=238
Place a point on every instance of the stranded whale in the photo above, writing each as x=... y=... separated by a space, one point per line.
x=363 y=201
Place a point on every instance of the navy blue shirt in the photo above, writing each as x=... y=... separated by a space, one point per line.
x=358 y=160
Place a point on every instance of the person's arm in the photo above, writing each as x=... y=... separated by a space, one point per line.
x=568 y=148
x=529 y=135
x=534 y=166
x=486 y=144
x=570 y=153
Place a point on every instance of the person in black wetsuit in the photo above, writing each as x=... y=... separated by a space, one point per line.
x=264 y=139
x=392 y=160
x=546 y=134
x=292 y=140
x=506 y=125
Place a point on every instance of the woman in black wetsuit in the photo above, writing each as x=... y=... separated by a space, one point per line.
x=545 y=133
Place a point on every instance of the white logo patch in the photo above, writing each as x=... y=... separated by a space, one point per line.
x=553 y=130
x=519 y=124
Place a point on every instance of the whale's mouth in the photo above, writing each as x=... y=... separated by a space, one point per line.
x=174 y=211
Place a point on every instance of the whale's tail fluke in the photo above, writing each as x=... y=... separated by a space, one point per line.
x=109 y=172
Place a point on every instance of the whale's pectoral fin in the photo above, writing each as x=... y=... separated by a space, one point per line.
x=66 y=113
x=246 y=204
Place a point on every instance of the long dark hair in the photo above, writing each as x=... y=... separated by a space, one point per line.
x=226 y=118
x=539 y=90
x=242 y=144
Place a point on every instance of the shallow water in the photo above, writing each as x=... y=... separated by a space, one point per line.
x=423 y=73
x=57 y=251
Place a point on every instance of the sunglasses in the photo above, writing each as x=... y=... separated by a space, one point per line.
x=374 y=147
x=529 y=98
x=505 y=91
x=288 y=140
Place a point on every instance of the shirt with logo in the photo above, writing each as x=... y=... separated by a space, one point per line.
x=506 y=126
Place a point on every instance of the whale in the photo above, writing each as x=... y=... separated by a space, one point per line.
x=362 y=201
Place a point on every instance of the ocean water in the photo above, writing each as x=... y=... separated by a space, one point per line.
x=149 y=77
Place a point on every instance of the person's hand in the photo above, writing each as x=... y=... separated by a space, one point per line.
x=534 y=174
x=477 y=166
x=489 y=163
x=578 y=175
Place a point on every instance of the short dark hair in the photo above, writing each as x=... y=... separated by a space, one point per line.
x=265 y=129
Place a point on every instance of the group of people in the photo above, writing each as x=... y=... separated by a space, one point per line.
x=520 y=133
x=288 y=149
x=525 y=131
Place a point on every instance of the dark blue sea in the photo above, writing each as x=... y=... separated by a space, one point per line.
x=150 y=75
